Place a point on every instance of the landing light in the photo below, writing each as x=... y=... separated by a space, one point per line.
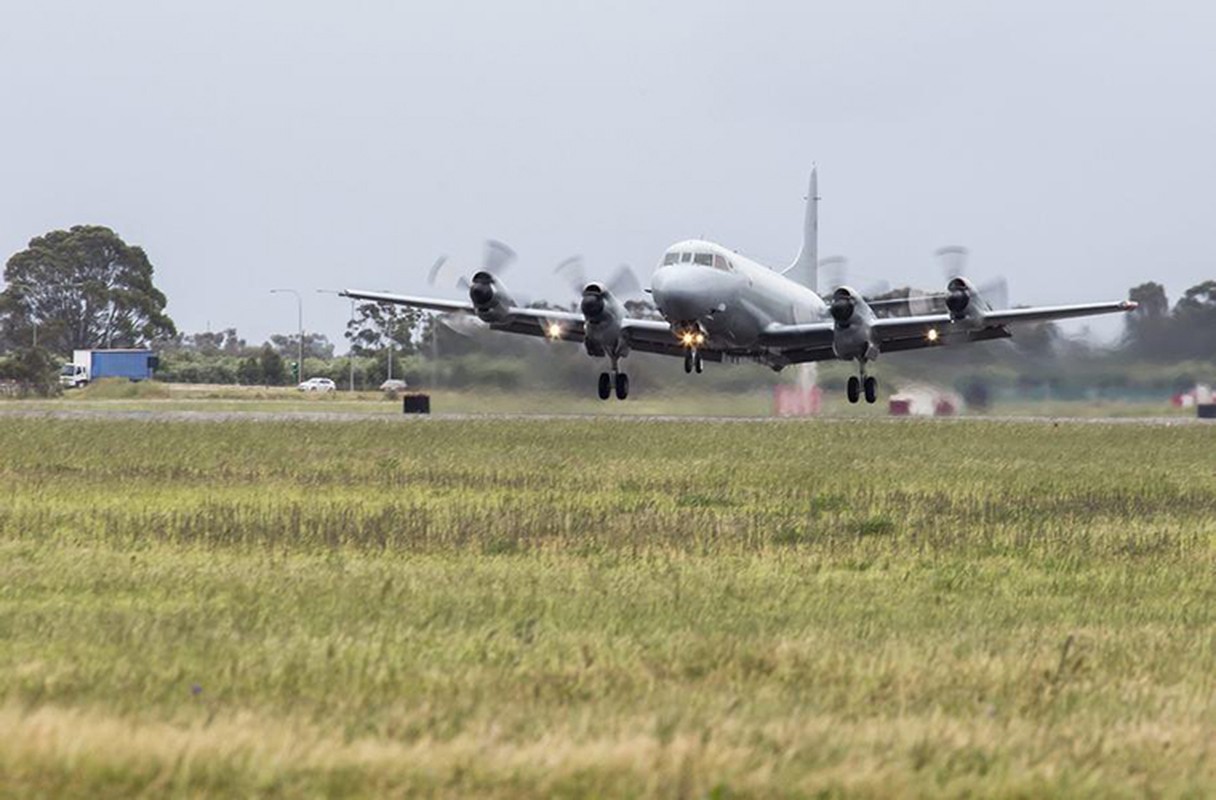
x=553 y=330
x=932 y=335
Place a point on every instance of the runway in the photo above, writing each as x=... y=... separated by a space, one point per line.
x=216 y=416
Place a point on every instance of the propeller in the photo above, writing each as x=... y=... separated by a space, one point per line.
x=497 y=257
x=432 y=275
x=834 y=273
x=953 y=259
x=623 y=284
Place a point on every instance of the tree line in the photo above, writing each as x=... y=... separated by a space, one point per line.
x=86 y=288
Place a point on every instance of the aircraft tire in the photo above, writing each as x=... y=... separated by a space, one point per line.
x=622 y=386
x=871 y=388
x=688 y=362
x=854 y=388
x=697 y=364
x=605 y=385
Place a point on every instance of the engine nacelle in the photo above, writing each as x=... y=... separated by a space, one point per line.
x=853 y=317
x=595 y=303
x=964 y=302
x=844 y=306
x=490 y=298
x=602 y=315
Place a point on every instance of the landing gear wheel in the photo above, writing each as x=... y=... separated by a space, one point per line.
x=622 y=386
x=871 y=387
x=688 y=362
x=696 y=363
x=854 y=388
x=605 y=385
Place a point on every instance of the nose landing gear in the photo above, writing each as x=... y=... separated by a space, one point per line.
x=692 y=361
x=614 y=380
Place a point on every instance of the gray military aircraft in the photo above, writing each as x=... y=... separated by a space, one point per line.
x=720 y=306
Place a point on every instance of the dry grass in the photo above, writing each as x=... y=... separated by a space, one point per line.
x=589 y=608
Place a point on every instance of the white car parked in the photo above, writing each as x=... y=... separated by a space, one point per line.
x=317 y=385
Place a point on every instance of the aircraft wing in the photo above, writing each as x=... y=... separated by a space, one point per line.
x=428 y=303
x=546 y=322
x=896 y=329
x=813 y=341
x=652 y=336
x=1048 y=313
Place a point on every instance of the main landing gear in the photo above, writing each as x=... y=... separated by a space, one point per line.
x=692 y=361
x=864 y=383
x=614 y=380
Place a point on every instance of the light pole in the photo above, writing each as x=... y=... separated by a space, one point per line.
x=300 y=325
x=351 y=353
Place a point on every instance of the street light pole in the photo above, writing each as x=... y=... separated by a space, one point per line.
x=300 y=325
x=351 y=352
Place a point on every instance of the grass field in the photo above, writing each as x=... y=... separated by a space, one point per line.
x=606 y=607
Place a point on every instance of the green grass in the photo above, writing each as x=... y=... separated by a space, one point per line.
x=606 y=607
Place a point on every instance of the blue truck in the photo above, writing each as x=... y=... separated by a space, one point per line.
x=92 y=365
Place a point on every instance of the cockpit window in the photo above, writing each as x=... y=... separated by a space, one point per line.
x=705 y=259
x=685 y=257
x=722 y=264
x=671 y=258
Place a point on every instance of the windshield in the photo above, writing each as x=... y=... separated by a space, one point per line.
x=68 y=369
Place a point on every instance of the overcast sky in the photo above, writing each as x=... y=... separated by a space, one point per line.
x=249 y=145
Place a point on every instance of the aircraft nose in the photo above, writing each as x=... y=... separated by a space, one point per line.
x=687 y=291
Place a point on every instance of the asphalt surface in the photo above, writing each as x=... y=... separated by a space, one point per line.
x=178 y=415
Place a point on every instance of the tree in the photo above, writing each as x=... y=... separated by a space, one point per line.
x=83 y=288
x=1153 y=304
x=34 y=368
x=316 y=345
x=1195 y=321
x=208 y=343
x=1038 y=340
x=1148 y=331
x=377 y=326
x=249 y=373
x=273 y=371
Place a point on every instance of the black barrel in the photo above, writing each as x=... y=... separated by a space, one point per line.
x=1207 y=410
x=416 y=404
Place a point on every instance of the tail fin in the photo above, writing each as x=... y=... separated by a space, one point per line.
x=805 y=269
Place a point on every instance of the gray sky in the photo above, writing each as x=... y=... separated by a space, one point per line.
x=1070 y=145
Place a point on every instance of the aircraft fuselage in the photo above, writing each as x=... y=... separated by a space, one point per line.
x=730 y=297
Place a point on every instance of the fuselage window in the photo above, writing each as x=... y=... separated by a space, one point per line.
x=671 y=258
x=704 y=259
x=686 y=257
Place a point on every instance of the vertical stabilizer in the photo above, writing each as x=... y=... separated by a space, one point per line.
x=805 y=269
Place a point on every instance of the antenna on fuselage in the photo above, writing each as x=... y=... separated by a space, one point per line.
x=805 y=269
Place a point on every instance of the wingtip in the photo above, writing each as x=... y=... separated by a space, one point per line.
x=1129 y=305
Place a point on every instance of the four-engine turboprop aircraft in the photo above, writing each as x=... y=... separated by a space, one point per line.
x=718 y=305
